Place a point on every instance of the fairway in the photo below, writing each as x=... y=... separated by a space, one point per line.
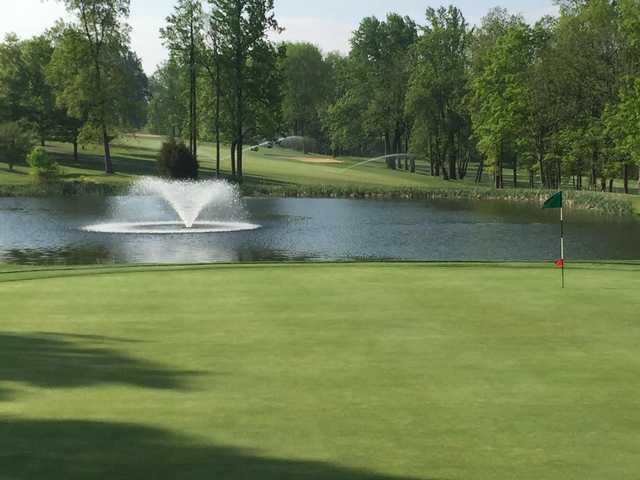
x=135 y=156
x=325 y=372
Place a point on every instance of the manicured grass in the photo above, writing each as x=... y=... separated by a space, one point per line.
x=135 y=156
x=331 y=372
x=636 y=204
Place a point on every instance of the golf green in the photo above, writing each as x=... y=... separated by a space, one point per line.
x=329 y=371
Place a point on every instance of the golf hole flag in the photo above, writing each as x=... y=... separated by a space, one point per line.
x=556 y=202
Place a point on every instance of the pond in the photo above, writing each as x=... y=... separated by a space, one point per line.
x=49 y=231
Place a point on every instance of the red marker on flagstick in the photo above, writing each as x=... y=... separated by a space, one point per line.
x=556 y=201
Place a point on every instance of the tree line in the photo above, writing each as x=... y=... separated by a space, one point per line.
x=559 y=99
x=556 y=100
x=79 y=82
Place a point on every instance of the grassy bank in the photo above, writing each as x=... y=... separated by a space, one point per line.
x=350 y=372
x=280 y=172
x=594 y=201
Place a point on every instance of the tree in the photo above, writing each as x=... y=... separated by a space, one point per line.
x=212 y=61
x=343 y=119
x=380 y=61
x=183 y=37
x=38 y=101
x=167 y=112
x=106 y=96
x=104 y=35
x=305 y=84
x=242 y=27
x=499 y=99
x=27 y=94
x=15 y=141
x=12 y=79
x=437 y=89
x=622 y=121
x=587 y=58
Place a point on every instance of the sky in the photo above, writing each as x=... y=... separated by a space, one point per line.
x=326 y=23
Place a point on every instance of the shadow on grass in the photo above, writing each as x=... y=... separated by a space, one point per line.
x=135 y=163
x=141 y=161
x=69 y=450
x=140 y=164
x=49 y=360
x=14 y=171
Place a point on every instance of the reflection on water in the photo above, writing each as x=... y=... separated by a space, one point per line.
x=48 y=231
x=55 y=256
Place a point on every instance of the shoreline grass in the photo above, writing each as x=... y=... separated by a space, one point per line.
x=352 y=372
x=601 y=203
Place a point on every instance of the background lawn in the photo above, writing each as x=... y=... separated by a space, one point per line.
x=134 y=156
x=341 y=372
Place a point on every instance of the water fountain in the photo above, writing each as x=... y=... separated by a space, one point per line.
x=188 y=199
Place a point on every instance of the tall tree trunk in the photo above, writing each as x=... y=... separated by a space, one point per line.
x=195 y=116
x=594 y=172
x=108 y=165
x=445 y=174
x=442 y=159
x=190 y=116
x=480 y=171
x=233 y=158
x=239 y=79
x=239 y=152
x=452 y=157
x=515 y=172
x=217 y=117
x=240 y=135
x=430 y=156
x=543 y=177
x=388 y=151
x=193 y=100
x=625 y=172
x=499 y=182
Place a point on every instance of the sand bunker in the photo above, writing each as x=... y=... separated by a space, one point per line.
x=319 y=160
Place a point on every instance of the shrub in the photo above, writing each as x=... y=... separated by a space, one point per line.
x=175 y=161
x=41 y=164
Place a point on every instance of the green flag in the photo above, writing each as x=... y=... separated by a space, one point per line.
x=554 y=202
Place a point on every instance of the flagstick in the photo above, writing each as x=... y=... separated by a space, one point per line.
x=562 y=241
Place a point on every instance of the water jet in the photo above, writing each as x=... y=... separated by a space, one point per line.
x=188 y=199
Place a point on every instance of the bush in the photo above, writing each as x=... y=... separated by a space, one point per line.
x=175 y=161
x=41 y=164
